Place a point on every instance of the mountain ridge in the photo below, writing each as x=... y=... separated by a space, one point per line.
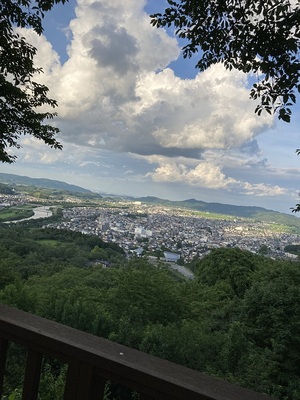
x=253 y=212
x=41 y=182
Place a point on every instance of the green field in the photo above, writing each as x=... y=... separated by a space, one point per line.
x=15 y=213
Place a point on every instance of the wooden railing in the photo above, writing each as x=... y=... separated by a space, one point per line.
x=92 y=361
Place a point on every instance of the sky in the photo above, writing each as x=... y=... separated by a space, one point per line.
x=136 y=119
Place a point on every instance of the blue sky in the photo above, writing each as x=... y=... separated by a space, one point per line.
x=137 y=119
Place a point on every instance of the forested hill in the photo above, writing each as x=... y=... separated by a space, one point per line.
x=41 y=182
x=259 y=213
x=237 y=320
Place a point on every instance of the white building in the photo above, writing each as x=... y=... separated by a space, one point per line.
x=141 y=232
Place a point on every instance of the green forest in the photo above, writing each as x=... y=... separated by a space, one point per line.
x=237 y=320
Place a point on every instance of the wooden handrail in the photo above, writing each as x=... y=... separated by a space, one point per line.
x=92 y=360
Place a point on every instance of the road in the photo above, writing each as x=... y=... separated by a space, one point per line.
x=182 y=270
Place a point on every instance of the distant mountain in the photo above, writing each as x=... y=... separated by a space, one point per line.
x=257 y=213
x=41 y=182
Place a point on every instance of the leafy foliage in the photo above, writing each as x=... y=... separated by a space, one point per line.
x=5 y=189
x=292 y=248
x=20 y=95
x=261 y=36
x=15 y=213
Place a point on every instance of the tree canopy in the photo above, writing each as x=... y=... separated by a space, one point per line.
x=20 y=95
x=238 y=319
x=261 y=37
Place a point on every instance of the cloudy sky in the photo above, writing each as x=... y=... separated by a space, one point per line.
x=136 y=119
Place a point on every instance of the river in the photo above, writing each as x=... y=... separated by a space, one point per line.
x=39 y=212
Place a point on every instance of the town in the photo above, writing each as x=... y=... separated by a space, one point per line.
x=166 y=233
x=174 y=234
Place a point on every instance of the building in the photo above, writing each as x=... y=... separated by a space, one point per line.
x=171 y=257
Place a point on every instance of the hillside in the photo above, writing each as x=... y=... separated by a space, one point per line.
x=238 y=320
x=257 y=213
x=41 y=182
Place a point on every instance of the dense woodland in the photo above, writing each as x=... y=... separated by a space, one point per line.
x=238 y=319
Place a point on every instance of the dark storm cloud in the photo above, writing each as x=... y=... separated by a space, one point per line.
x=165 y=151
x=113 y=47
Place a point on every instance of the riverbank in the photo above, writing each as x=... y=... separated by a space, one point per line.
x=38 y=212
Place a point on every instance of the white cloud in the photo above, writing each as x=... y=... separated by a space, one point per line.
x=208 y=175
x=110 y=48
x=203 y=174
x=115 y=91
x=261 y=189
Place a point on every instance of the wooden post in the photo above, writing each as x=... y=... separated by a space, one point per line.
x=82 y=384
x=32 y=375
x=3 y=354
